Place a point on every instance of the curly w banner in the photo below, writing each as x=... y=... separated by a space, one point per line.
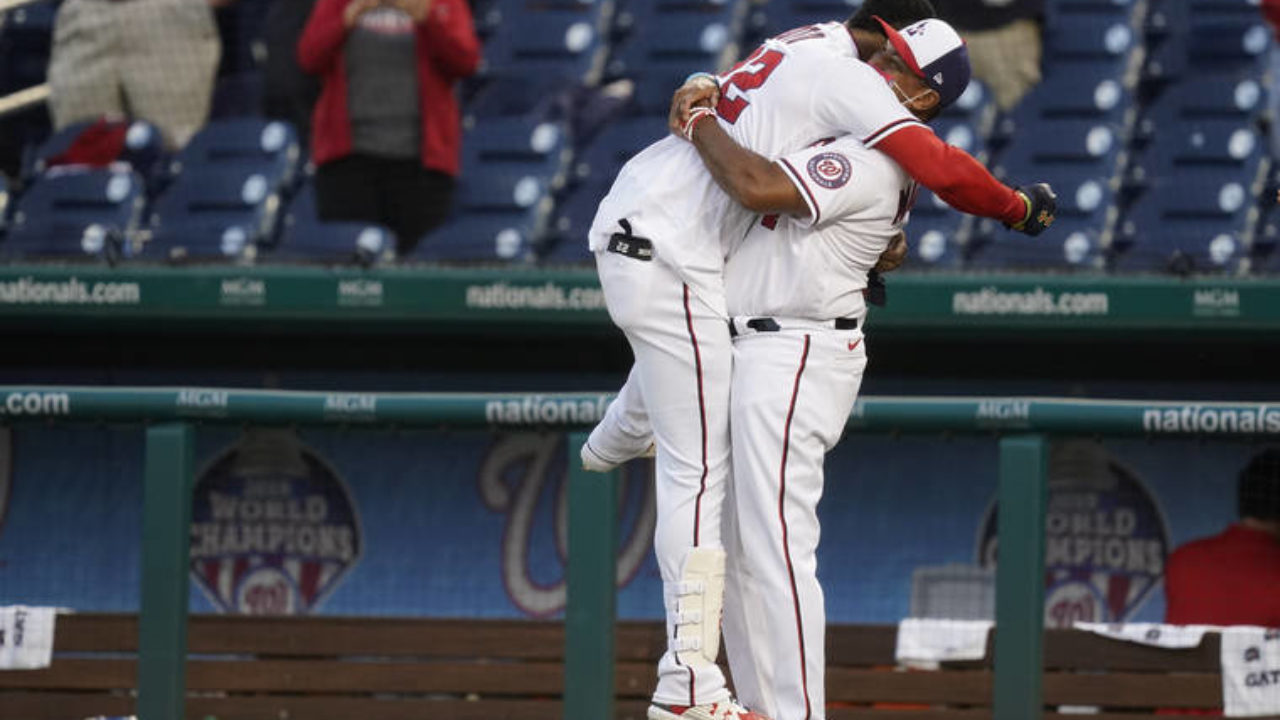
x=474 y=524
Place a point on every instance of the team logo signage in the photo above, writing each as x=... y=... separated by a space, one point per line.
x=831 y=170
x=1106 y=539
x=524 y=476
x=274 y=528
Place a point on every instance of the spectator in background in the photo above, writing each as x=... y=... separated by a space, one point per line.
x=1005 y=40
x=386 y=131
x=288 y=93
x=150 y=59
x=1233 y=578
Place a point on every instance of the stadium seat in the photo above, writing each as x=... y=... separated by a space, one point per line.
x=143 y=147
x=498 y=213
x=270 y=146
x=534 y=53
x=769 y=19
x=304 y=237
x=936 y=234
x=225 y=211
x=76 y=213
x=662 y=43
x=593 y=171
x=539 y=145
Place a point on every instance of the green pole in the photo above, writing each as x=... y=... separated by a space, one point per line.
x=1019 y=657
x=166 y=540
x=589 y=618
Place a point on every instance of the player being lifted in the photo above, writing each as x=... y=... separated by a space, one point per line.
x=660 y=237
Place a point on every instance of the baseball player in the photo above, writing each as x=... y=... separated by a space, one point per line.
x=660 y=236
x=794 y=294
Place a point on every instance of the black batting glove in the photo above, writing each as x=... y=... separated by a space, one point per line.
x=1042 y=203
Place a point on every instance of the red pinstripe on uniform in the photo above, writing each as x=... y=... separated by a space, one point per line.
x=782 y=517
x=702 y=483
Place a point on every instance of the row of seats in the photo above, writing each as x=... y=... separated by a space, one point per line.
x=1149 y=123
x=222 y=198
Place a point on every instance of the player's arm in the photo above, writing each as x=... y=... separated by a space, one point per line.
x=953 y=175
x=755 y=182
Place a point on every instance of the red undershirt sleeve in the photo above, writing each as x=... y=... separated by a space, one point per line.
x=952 y=174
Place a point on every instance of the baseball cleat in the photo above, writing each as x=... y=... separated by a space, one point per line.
x=727 y=710
x=594 y=461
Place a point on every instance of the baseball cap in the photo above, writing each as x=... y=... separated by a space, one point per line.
x=935 y=52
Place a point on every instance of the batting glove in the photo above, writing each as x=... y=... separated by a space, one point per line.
x=1042 y=203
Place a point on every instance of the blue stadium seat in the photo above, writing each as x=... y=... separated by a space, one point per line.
x=1089 y=37
x=593 y=171
x=1212 y=44
x=773 y=18
x=498 y=213
x=662 y=44
x=304 y=237
x=1079 y=88
x=223 y=211
x=936 y=233
x=1198 y=220
x=1233 y=96
x=534 y=53
x=270 y=146
x=1079 y=236
x=143 y=147
x=538 y=144
x=76 y=214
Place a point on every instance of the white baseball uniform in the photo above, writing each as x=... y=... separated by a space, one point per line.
x=794 y=289
x=801 y=86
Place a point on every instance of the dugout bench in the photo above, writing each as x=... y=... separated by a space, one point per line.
x=329 y=668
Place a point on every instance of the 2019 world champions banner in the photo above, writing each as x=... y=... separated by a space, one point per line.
x=473 y=524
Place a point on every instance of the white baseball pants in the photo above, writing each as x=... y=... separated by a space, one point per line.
x=682 y=362
x=792 y=393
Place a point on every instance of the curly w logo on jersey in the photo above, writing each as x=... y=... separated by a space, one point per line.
x=273 y=527
x=831 y=170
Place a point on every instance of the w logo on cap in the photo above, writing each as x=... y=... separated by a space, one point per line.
x=934 y=51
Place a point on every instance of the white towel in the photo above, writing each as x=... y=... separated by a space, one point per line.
x=1250 y=671
x=26 y=637
x=1154 y=634
x=926 y=642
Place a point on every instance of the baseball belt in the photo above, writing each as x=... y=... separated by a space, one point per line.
x=741 y=326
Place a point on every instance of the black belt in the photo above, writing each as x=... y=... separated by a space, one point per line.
x=633 y=246
x=768 y=324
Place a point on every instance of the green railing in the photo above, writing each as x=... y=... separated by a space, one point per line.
x=1021 y=424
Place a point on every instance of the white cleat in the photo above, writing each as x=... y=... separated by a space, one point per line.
x=727 y=710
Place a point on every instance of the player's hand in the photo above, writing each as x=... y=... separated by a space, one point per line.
x=699 y=92
x=1042 y=203
x=354 y=9
x=894 y=255
x=416 y=9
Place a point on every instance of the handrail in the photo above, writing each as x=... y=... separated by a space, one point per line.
x=23 y=99
x=578 y=410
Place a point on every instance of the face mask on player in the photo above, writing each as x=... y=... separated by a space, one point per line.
x=906 y=101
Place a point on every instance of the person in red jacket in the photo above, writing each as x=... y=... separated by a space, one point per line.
x=1233 y=578
x=386 y=130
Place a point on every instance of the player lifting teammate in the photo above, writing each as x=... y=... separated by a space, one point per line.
x=660 y=237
